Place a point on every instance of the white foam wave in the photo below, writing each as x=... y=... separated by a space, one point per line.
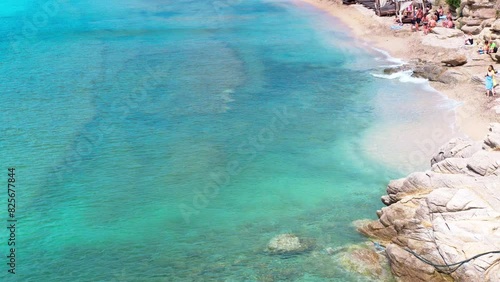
x=402 y=76
x=389 y=58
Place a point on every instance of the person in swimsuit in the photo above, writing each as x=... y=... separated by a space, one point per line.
x=492 y=48
x=449 y=21
x=440 y=12
x=488 y=83
x=486 y=47
x=418 y=18
x=432 y=21
x=426 y=23
x=491 y=73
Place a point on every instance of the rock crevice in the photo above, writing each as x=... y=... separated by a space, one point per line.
x=447 y=214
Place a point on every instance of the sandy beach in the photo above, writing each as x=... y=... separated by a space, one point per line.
x=476 y=112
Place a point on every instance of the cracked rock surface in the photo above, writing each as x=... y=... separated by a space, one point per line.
x=447 y=214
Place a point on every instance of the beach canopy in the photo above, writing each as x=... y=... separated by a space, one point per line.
x=403 y=4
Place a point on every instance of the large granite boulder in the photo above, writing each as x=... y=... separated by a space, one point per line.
x=470 y=22
x=456 y=148
x=478 y=15
x=430 y=71
x=495 y=26
x=446 y=215
x=454 y=60
x=487 y=23
x=474 y=29
x=484 y=13
x=492 y=140
x=288 y=244
x=443 y=32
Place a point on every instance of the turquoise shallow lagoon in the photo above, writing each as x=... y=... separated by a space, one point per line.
x=171 y=140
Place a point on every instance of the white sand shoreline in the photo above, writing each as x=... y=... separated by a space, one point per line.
x=472 y=117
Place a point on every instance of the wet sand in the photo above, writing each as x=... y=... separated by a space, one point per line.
x=476 y=110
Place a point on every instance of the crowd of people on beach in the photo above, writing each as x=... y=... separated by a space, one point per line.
x=428 y=18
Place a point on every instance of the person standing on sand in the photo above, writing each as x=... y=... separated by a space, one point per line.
x=491 y=73
x=490 y=81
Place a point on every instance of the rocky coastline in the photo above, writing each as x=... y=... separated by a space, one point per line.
x=451 y=212
x=447 y=214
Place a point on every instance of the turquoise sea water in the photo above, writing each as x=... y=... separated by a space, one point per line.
x=171 y=140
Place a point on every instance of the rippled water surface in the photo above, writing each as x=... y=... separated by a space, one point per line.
x=171 y=140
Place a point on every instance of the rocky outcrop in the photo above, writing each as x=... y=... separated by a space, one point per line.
x=490 y=30
x=446 y=215
x=288 y=244
x=454 y=60
x=445 y=33
x=433 y=71
x=476 y=12
x=481 y=18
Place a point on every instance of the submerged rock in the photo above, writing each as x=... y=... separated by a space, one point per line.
x=288 y=244
x=433 y=71
x=392 y=70
x=358 y=262
x=364 y=261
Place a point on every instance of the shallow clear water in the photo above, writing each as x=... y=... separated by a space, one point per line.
x=171 y=140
